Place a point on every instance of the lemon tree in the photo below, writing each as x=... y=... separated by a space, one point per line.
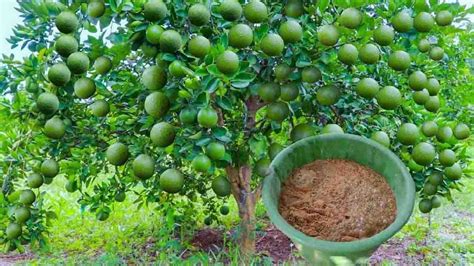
x=172 y=101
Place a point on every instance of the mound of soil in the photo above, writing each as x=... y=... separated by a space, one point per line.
x=337 y=200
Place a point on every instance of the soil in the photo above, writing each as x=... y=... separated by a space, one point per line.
x=337 y=200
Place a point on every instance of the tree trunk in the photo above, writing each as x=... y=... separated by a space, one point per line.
x=239 y=178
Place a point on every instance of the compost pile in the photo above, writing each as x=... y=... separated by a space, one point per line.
x=337 y=200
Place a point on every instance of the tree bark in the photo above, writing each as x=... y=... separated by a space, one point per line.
x=246 y=200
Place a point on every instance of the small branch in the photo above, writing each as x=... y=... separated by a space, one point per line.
x=339 y=119
x=258 y=192
x=234 y=180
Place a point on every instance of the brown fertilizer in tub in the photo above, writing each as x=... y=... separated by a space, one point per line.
x=337 y=200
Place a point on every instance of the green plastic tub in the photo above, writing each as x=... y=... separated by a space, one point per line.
x=339 y=146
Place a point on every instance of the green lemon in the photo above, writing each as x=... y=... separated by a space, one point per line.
x=461 y=131
x=444 y=134
x=435 y=178
x=240 y=36
x=424 y=45
x=433 y=87
x=328 y=35
x=436 y=201
x=35 y=180
x=436 y=53
x=423 y=22
x=99 y=108
x=282 y=72
x=117 y=154
x=429 y=189
x=171 y=181
x=49 y=168
x=187 y=116
x=66 y=45
x=162 y=134
x=294 y=8
x=13 y=231
x=120 y=196
x=301 y=131
x=199 y=46
x=350 y=18
x=215 y=150
x=389 y=98
x=59 y=74
x=423 y=153
x=291 y=31
x=255 y=11
x=261 y=167
x=221 y=186
x=399 y=60
x=447 y=157
x=421 y=97
x=230 y=10
x=289 y=91
x=348 y=54
x=227 y=62
x=384 y=35
x=201 y=163
x=328 y=95
x=408 y=134
x=96 y=8
x=54 y=128
x=278 y=111
x=155 y=10
x=207 y=117
x=444 y=18
x=67 y=22
x=84 y=88
x=332 y=129
x=311 y=74
x=224 y=210
x=381 y=137
x=417 y=80
x=22 y=214
x=143 y=166
x=432 y=104
x=402 y=22
x=272 y=44
x=71 y=186
x=170 y=41
x=429 y=128
x=453 y=172
x=102 y=65
x=153 y=33
x=199 y=15
x=154 y=78
x=78 y=62
x=367 y=88
x=157 y=104
x=274 y=149
x=27 y=197
x=369 y=54
x=47 y=103
x=425 y=205
x=269 y=92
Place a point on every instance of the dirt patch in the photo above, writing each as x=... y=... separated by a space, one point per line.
x=395 y=251
x=15 y=258
x=208 y=240
x=275 y=244
x=337 y=200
